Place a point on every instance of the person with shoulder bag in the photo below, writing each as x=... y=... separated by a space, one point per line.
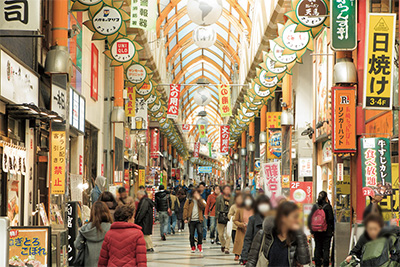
x=222 y=206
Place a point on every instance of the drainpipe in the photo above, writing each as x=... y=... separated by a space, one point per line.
x=243 y=153
x=287 y=124
x=263 y=134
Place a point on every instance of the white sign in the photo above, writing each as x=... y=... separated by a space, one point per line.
x=58 y=100
x=271 y=174
x=77 y=109
x=293 y=40
x=17 y=83
x=144 y=14
x=140 y=120
x=107 y=21
x=22 y=15
x=305 y=167
x=123 y=50
x=136 y=73
x=340 y=172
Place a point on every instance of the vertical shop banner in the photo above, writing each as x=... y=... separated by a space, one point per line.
x=301 y=192
x=202 y=130
x=130 y=106
x=344 y=24
x=196 y=150
x=154 y=143
x=376 y=166
x=140 y=120
x=142 y=177
x=274 y=150
x=58 y=162
x=340 y=172
x=271 y=175
x=274 y=119
x=143 y=14
x=178 y=174
x=173 y=103
x=59 y=100
x=185 y=128
x=224 y=138
x=20 y=15
x=379 y=62
x=305 y=167
x=344 y=119
x=209 y=149
x=94 y=79
x=225 y=100
x=173 y=172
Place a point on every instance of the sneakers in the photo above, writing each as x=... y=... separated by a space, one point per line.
x=163 y=238
x=193 y=250
x=150 y=250
x=236 y=258
x=226 y=251
x=222 y=249
x=200 y=248
x=212 y=241
x=173 y=231
x=218 y=243
x=179 y=230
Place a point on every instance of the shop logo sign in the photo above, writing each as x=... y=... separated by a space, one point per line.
x=107 y=21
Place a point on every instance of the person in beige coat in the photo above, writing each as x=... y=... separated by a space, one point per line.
x=241 y=220
x=232 y=213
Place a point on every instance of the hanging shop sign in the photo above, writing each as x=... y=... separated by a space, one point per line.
x=301 y=192
x=305 y=167
x=340 y=172
x=224 y=138
x=173 y=172
x=81 y=5
x=57 y=174
x=18 y=84
x=293 y=40
x=154 y=143
x=204 y=169
x=274 y=150
x=379 y=64
x=327 y=151
x=209 y=149
x=59 y=100
x=130 y=106
x=274 y=119
x=30 y=246
x=376 y=166
x=77 y=109
x=196 y=150
x=123 y=51
x=271 y=175
x=202 y=131
x=173 y=103
x=139 y=122
x=225 y=100
x=14 y=159
x=344 y=25
x=137 y=74
x=94 y=79
x=185 y=128
x=142 y=177
x=20 y=15
x=143 y=14
x=344 y=119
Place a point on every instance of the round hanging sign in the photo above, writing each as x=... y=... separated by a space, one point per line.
x=89 y=2
x=268 y=81
x=271 y=66
x=162 y=121
x=311 y=13
x=293 y=40
x=259 y=92
x=156 y=107
x=136 y=73
x=160 y=114
x=247 y=113
x=145 y=89
x=277 y=51
x=123 y=50
x=151 y=99
x=107 y=20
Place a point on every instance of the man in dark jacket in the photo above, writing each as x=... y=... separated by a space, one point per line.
x=254 y=225
x=163 y=203
x=144 y=218
x=222 y=206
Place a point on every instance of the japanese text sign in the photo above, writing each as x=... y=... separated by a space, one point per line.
x=274 y=150
x=225 y=100
x=30 y=245
x=22 y=15
x=155 y=143
x=58 y=162
x=130 y=106
x=173 y=172
x=271 y=175
x=209 y=149
x=376 y=166
x=274 y=119
x=143 y=14
x=202 y=130
x=301 y=192
x=305 y=167
x=94 y=78
x=224 y=138
x=173 y=103
x=344 y=119
x=196 y=150
x=379 y=63
x=204 y=169
x=140 y=120
x=185 y=128
x=344 y=24
x=142 y=177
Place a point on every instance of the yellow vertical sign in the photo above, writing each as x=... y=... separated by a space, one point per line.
x=379 y=61
x=130 y=106
x=225 y=100
x=142 y=178
x=58 y=162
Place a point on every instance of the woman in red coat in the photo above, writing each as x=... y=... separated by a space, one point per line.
x=124 y=244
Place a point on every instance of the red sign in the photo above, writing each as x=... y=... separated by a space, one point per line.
x=224 y=136
x=301 y=192
x=94 y=80
x=196 y=151
x=80 y=164
x=154 y=143
x=185 y=127
x=178 y=174
x=102 y=169
x=173 y=103
x=126 y=178
x=173 y=172
x=123 y=48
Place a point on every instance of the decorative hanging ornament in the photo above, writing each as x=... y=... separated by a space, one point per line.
x=204 y=12
x=202 y=96
x=204 y=37
x=82 y=5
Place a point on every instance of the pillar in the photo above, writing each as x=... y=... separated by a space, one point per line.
x=263 y=134
x=243 y=154
x=287 y=133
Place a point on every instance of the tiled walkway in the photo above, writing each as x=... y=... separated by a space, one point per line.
x=176 y=252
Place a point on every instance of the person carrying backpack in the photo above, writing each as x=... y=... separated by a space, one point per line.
x=321 y=223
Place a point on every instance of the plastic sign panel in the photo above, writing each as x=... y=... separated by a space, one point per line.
x=185 y=128
x=144 y=14
x=173 y=172
x=305 y=167
x=173 y=103
x=225 y=100
x=274 y=119
x=376 y=166
x=94 y=79
x=204 y=169
x=344 y=24
x=301 y=192
x=274 y=150
x=344 y=119
x=202 y=130
x=209 y=149
x=57 y=174
x=130 y=106
x=140 y=120
x=224 y=138
x=379 y=62
x=23 y=15
x=155 y=143
x=141 y=177
x=271 y=175
x=196 y=150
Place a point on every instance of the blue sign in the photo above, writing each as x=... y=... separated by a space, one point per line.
x=204 y=169
x=257 y=164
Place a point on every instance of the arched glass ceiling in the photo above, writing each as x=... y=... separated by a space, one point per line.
x=187 y=62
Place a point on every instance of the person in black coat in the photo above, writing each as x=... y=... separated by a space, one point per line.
x=322 y=239
x=144 y=218
x=181 y=194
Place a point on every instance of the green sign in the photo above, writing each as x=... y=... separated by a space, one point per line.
x=344 y=24
x=376 y=166
x=209 y=150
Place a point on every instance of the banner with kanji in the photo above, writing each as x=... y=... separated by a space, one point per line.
x=58 y=140
x=271 y=176
x=202 y=131
x=196 y=150
x=130 y=106
x=376 y=166
x=173 y=103
x=379 y=61
x=225 y=100
x=144 y=14
x=224 y=137
x=154 y=143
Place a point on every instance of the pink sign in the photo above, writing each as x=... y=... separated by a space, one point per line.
x=196 y=150
x=80 y=165
x=271 y=174
x=224 y=137
x=173 y=103
x=154 y=144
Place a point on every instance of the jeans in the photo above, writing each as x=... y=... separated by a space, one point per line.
x=213 y=224
x=163 y=217
x=204 y=228
x=193 y=226
x=172 y=222
x=322 y=249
